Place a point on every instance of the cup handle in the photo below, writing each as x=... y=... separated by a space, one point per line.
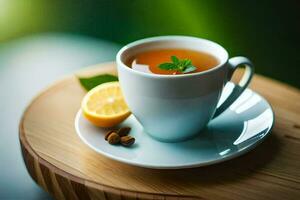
x=233 y=64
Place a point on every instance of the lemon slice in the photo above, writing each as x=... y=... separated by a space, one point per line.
x=104 y=105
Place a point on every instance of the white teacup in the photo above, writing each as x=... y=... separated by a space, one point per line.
x=172 y=108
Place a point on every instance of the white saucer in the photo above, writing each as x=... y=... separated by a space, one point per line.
x=240 y=128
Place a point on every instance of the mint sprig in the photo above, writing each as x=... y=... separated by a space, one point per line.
x=183 y=65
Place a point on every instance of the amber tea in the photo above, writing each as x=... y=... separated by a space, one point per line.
x=172 y=61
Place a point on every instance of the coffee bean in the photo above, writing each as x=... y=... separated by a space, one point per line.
x=127 y=140
x=113 y=138
x=123 y=131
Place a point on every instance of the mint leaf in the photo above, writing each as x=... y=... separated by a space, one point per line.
x=186 y=62
x=183 y=66
x=91 y=82
x=174 y=59
x=189 y=68
x=168 y=66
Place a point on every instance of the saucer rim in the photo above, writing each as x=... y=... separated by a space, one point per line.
x=180 y=166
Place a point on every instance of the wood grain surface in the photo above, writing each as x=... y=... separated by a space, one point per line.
x=66 y=168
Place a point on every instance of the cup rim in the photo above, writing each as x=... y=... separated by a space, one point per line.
x=161 y=38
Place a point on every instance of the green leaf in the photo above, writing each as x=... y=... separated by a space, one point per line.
x=174 y=59
x=184 y=65
x=189 y=68
x=91 y=82
x=168 y=66
x=187 y=62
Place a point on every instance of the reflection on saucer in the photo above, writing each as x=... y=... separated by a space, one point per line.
x=256 y=126
x=247 y=100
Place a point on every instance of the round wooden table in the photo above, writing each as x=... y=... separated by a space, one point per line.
x=62 y=165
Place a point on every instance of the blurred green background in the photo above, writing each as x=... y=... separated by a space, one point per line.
x=265 y=31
